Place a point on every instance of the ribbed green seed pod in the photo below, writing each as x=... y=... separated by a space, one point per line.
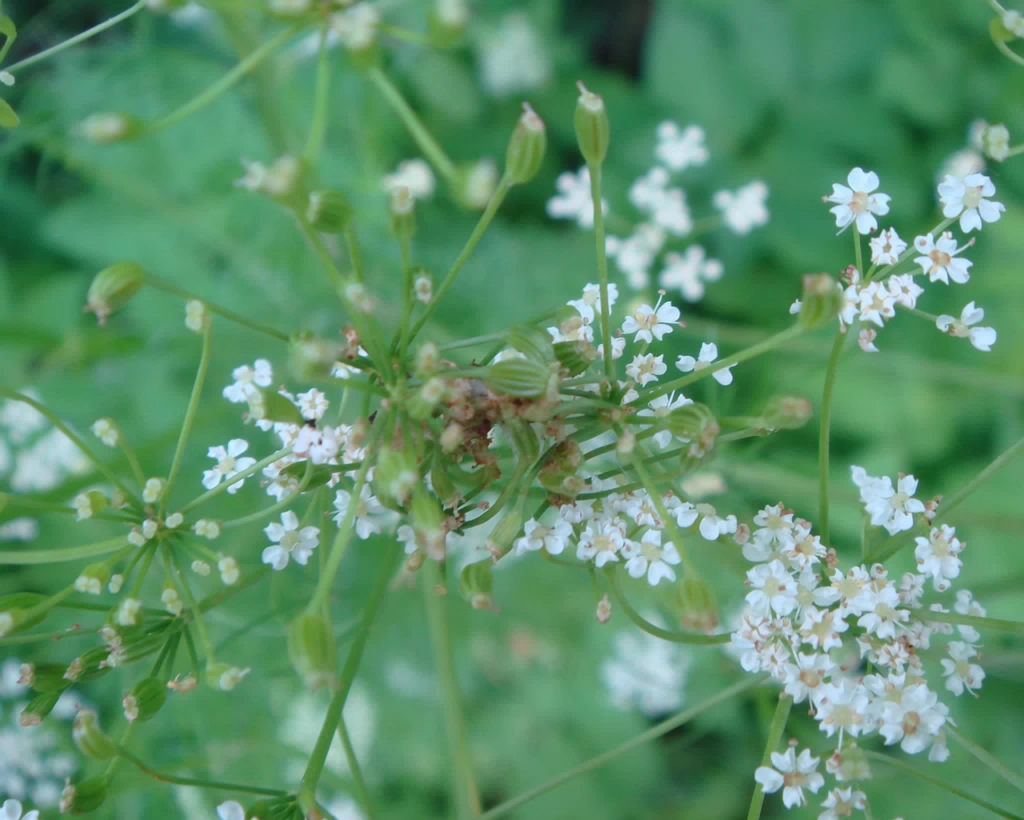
x=593 y=131
x=312 y=650
x=90 y=739
x=526 y=148
x=328 y=211
x=114 y=287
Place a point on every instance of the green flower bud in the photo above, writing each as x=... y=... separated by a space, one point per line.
x=403 y=214
x=38 y=708
x=698 y=605
x=428 y=360
x=694 y=423
x=428 y=523
x=147 y=698
x=526 y=148
x=576 y=356
x=996 y=142
x=268 y=405
x=328 y=211
x=519 y=378
x=108 y=128
x=312 y=649
x=476 y=581
x=84 y=797
x=396 y=475
x=15 y=611
x=90 y=739
x=499 y=542
x=447 y=22
x=821 y=300
x=93 y=579
x=786 y=413
x=422 y=403
x=532 y=342
x=112 y=288
x=592 y=128
x=312 y=358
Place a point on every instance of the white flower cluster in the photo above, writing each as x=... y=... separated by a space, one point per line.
x=665 y=216
x=809 y=624
x=646 y=673
x=873 y=296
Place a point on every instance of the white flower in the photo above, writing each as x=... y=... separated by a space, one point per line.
x=959 y=672
x=646 y=673
x=844 y=708
x=651 y=323
x=106 y=431
x=312 y=404
x=647 y=190
x=876 y=303
x=660 y=408
x=128 y=612
x=904 y=289
x=553 y=539
x=671 y=213
x=885 y=614
x=195 y=315
x=683 y=512
x=966 y=199
x=743 y=210
x=886 y=247
x=889 y=507
x=708 y=355
x=996 y=139
x=291 y=542
x=650 y=557
x=589 y=306
x=646 y=368
x=635 y=255
x=679 y=150
x=842 y=803
x=914 y=721
x=937 y=556
x=774 y=589
x=12 y=810
x=981 y=337
x=574 y=200
x=231 y=810
x=228 y=464
x=513 y=58
x=687 y=273
x=247 y=379
x=368 y=506
x=866 y=340
x=415 y=176
x=356 y=27
x=711 y=525
x=821 y=629
x=228 y=569
x=938 y=258
x=618 y=348
x=601 y=542
x=858 y=204
x=1013 y=22
x=792 y=774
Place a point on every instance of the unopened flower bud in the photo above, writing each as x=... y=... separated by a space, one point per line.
x=201 y=568
x=108 y=128
x=183 y=686
x=428 y=359
x=356 y=28
x=1012 y=23
x=786 y=413
x=996 y=141
x=224 y=677
x=695 y=423
x=519 y=378
x=89 y=503
x=395 y=476
x=112 y=288
x=90 y=739
x=92 y=579
x=174 y=520
x=172 y=600
x=115 y=583
x=359 y=298
x=84 y=797
x=476 y=581
x=153 y=489
x=447 y=22
x=698 y=605
x=403 y=213
x=106 y=431
x=312 y=649
x=625 y=445
x=43 y=677
x=532 y=342
x=229 y=571
x=205 y=528
x=604 y=610
x=526 y=149
x=328 y=211
x=452 y=437
x=423 y=286
x=422 y=403
x=129 y=612
x=196 y=315
x=821 y=300
x=592 y=129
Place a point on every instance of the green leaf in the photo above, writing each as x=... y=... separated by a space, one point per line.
x=8 y=117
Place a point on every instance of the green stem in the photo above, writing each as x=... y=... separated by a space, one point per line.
x=321 y=102
x=355 y=769
x=481 y=227
x=692 y=639
x=778 y=726
x=245 y=321
x=466 y=798
x=993 y=624
x=203 y=99
x=751 y=352
x=987 y=759
x=858 y=252
x=824 y=433
x=653 y=733
x=602 y=270
x=659 y=504
x=20 y=501
x=163 y=777
x=190 y=415
x=133 y=462
x=190 y=602
x=59 y=556
x=942 y=783
x=315 y=767
x=59 y=635
x=13 y=395
x=78 y=38
x=1009 y=52
x=423 y=138
x=223 y=486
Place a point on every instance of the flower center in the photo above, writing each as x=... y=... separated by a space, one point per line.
x=859 y=204
x=940 y=259
x=900 y=500
x=972 y=197
x=772 y=587
x=227 y=464
x=289 y=541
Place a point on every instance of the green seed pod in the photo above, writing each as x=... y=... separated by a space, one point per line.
x=525 y=440
x=526 y=148
x=150 y=695
x=403 y=214
x=821 y=300
x=109 y=128
x=592 y=129
x=476 y=581
x=328 y=211
x=518 y=378
x=39 y=707
x=321 y=474
x=267 y=405
x=692 y=422
x=698 y=605
x=90 y=739
x=422 y=403
x=84 y=797
x=13 y=618
x=93 y=579
x=395 y=476
x=312 y=650
x=576 y=356
x=112 y=288
x=505 y=532
x=47 y=677
x=312 y=358
x=532 y=342
x=428 y=522
x=786 y=413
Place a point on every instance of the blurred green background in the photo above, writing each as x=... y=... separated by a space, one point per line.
x=794 y=92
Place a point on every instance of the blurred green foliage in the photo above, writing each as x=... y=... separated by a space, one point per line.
x=794 y=92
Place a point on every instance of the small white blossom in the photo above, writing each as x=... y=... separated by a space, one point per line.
x=981 y=338
x=886 y=247
x=415 y=176
x=707 y=357
x=877 y=303
x=842 y=803
x=291 y=543
x=369 y=511
x=231 y=810
x=939 y=259
x=635 y=254
x=866 y=340
x=792 y=774
x=996 y=139
x=904 y=289
x=858 y=204
x=959 y=672
x=128 y=612
x=712 y=526
x=651 y=323
x=553 y=539
x=247 y=379
x=938 y=556
x=967 y=199
x=600 y=542
x=356 y=27
x=1013 y=22
x=589 y=305
x=774 y=590
x=228 y=569
x=687 y=273
x=652 y=558
x=660 y=408
x=153 y=489
x=106 y=431
x=645 y=368
x=206 y=528
x=745 y=209
x=679 y=149
x=574 y=200
x=12 y=809
x=229 y=464
x=513 y=58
